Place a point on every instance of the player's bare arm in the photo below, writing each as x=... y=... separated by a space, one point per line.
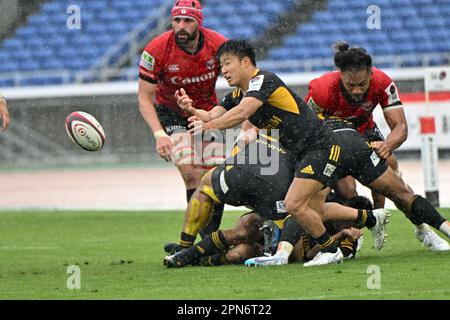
x=242 y=112
x=146 y=94
x=185 y=103
x=396 y=121
x=4 y=114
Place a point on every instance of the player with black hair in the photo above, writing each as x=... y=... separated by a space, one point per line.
x=352 y=92
x=267 y=103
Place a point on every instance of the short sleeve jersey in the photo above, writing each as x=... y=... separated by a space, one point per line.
x=328 y=96
x=282 y=109
x=167 y=65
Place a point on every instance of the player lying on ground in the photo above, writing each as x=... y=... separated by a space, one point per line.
x=245 y=240
x=244 y=184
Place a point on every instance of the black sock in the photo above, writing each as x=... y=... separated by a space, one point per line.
x=186 y=240
x=326 y=243
x=212 y=244
x=292 y=232
x=215 y=260
x=214 y=222
x=423 y=212
x=189 y=194
x=365 y=219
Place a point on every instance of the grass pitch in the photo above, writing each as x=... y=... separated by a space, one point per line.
x=120 y=257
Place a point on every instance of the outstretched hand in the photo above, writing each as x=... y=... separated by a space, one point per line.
x=183 y=100
x=196 y=125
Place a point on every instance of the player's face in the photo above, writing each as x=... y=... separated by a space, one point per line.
x=186 y=30
x=232 y=69
x=356 y=83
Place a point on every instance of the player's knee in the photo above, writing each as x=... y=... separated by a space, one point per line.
x=295 y=207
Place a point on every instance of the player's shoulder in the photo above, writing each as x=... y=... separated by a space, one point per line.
x=213 y=37
x=380 y=77
x=159 y=42
x=321 y=88
x=266 y=76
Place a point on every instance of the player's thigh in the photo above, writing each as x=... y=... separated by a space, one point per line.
x=393 y=187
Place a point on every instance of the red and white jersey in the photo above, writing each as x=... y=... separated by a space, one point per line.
x=327 y=95
x=164 y=63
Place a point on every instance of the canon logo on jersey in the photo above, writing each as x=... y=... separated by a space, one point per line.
x=196 y=79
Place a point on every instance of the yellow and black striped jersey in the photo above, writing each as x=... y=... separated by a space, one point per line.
x=282 y=109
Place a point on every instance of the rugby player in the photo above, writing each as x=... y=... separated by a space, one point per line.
x=264 y=100
x=181 y=57
x=359 y=159
x=242 y=183
x=352 y=93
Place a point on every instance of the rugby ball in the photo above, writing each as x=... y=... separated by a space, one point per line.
x=85 y=131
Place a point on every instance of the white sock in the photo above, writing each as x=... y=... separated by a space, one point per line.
x=422 y=227
x=445 y=228
x=284 y=249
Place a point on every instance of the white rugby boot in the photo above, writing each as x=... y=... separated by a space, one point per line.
x=430 y=239
x=378 y=231
x=323 y=258
x=274 y=260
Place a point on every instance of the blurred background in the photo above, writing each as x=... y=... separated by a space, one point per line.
x=52 y=64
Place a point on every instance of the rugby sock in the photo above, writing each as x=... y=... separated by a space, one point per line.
x=186 y=240
x=421 y=211
x=326 y=243
x=212 y=244
x=445 y=228
x=189 y=194
x=365 y=219
x=292 y=232
x=214 y=223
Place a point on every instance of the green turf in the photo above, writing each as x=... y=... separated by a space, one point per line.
x=120 y=257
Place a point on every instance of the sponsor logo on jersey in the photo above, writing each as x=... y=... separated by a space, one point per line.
x=375 y=159
x=173 y=68
x=211 y=64
x=316 y=108
x=392 y=93
x=329 y=170
x=256 y=83
x=281 y=207
x=195 y=79
x=147 y=61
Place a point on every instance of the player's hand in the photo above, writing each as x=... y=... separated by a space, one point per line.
x=353 y=233
x=4 y=115
x=183 y=100
x=164 y=146
x=196 y=125
x=382 y=149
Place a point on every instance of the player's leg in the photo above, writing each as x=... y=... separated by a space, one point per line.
x=346 y=188
x=417 y=209
x=213 y=154
x=198 y=213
